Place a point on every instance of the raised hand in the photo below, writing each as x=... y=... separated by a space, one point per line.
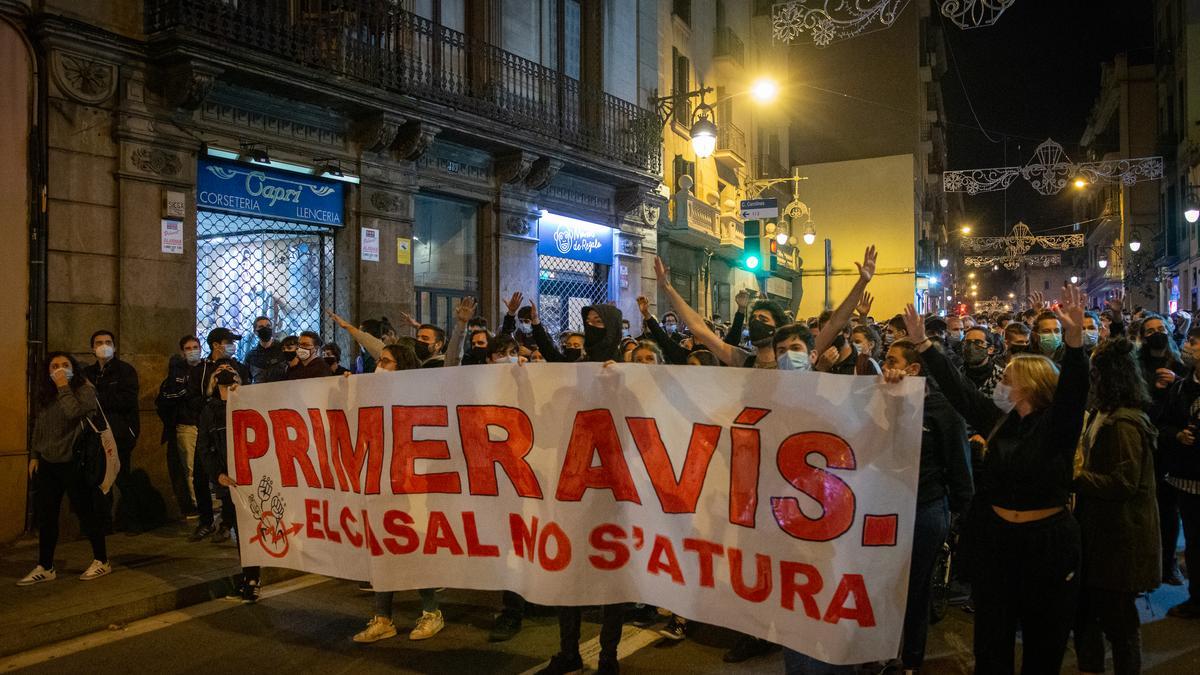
x=1070 y=314
x=866 y=270
x=407 y=318
x=1037 y=300
x=514 y=303
x=643 y=306
x=465 y=310
x=914 y=326
x=864 y=306
x=743 y=300
x=661 y=271
x=342 y=323
x=1117 y=303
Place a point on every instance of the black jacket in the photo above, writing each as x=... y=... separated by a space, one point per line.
x=945 y=455
x=117 y=392
x=672 y=350
x=210 y=438
x=509 y=327
x=199 y=380
x=1029 y=462
x=1180 y=410
x=171 y=402
x=603 y=344
x=266 y=364
x=734 y=336
x=546 y=346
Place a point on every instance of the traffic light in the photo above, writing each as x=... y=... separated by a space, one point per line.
x=761 y=249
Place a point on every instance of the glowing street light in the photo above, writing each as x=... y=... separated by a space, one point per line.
x=764 y=90
x=1135 y=244
x=971 y=275
x=1103 y=263
x=944 y=262
x=1080 y=183
x=1074 y=279
x=965 y=229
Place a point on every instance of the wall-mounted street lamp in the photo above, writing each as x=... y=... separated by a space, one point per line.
x=703 y=131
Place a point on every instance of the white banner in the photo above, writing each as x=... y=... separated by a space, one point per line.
x=778 y=504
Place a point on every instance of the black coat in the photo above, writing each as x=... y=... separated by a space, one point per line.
x=210 y=438
x=1180 y=409
x=945 y=455
x=1116 y=506
x=171 y=402
x=117 y=391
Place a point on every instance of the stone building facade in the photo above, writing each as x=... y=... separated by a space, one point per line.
x=463 y=136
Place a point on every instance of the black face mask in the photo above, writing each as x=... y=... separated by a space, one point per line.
x=478 y=354
x=226 y=377
x=592 y=335
x=974 y=355
x=424 y=350
x=1019 y=349
x=331 y=360
x=1156 y=341
x=264 y=333
x=289 y=354
x=760 y=330
x=572 y=353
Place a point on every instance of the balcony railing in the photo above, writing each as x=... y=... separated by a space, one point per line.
x=731 y=139
x=727 y=44
x=375 y=43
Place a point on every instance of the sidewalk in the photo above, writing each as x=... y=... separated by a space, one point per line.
x=153 y=572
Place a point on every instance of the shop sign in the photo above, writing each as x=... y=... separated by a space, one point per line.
x=564 y=237
x=234 y=187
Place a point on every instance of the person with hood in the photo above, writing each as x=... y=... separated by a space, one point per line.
x=179 y=429
x=1117 y=512
x=601 y=336
x=1178 y=421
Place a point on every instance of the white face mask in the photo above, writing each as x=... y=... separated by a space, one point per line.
x=67 y=373
x=793 y=360
x=1002 y=397
x=303 y=354
x=525 y=327
x=192 y=356
x=1091 y=337
x=512 y=359
x=104 y=351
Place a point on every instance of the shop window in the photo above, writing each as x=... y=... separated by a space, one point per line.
x=565 y=287
x=445 y=257
x=249 y=267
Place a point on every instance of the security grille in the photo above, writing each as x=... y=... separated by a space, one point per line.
x=249 y=267
x=565 y=287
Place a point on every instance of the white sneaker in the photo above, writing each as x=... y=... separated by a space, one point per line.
x=378 y=628
x=430 y=624
x=96 y=570
x=38 y=575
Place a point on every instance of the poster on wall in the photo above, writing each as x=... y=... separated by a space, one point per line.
x=370 y=244
x=403 y=251
x=172 y=236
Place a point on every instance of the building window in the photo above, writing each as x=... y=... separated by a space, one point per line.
x=681 y=83
x=683 y=10
x=248 y=267
x=682 y=167
x=445 y=256
x=1046 y=285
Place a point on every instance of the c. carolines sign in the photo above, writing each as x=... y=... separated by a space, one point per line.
x=255 y=191
x=565 y=237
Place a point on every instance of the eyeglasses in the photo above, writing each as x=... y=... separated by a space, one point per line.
x=980 y=343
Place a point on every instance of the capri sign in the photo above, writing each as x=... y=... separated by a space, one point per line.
x=251 y=190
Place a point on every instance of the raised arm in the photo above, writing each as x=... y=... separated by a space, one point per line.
x=977 y=409
x=1074 y=380
x=372 y=344
x=728 y=354
x=734 y=336
x=670 y=348
x=463 y=312
x=544 y=343
x=841 y=315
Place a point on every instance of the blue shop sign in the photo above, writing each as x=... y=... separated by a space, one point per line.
x=252 y=190
x=575 y=239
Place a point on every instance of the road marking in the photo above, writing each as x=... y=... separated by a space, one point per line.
x=59 y=650
x=632 y=639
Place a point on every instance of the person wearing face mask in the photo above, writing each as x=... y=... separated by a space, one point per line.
x=737 y=333
x=179 y=429
x=116 y=385
x=211 y=446
x=673 y=350
x=307 y=363
x=579 y=346
x=978 y=363
x=1048 y=335
x=867 y=341
x=331 y=353
x=1091 y=331
x=893 y=330
x=1178 y=461
x=266 y=360
x=65 y=401
x=504 y=349
x=1020 y=544
x=1161 y=366
x=431 y=342
x=765 y=318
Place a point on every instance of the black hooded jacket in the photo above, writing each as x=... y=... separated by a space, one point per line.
x=599 y=344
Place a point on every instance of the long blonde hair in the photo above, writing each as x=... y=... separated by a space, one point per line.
x=1035 y=375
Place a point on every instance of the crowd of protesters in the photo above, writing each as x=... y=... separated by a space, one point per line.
x=1058 y=443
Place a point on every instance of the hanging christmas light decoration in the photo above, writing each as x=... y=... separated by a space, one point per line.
x=1016 y=246
x=1050 y=170
x=967 y=14
x=1014 y=262
x=829 y=21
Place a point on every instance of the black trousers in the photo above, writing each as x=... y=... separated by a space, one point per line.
x=514 y=605
x=1168 y=523
x=1113 y=615
x=570 y=622
x=1189 y=509
x=51 y=482
x=1024 y=576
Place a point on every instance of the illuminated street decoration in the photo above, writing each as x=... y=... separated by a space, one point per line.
x=1015 y=247
x=967 y=14
x=1050 y=170
x=829 y=21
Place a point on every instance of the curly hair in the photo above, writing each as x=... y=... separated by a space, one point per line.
x=1117 y=381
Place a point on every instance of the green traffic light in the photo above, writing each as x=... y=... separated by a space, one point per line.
x=752 y=262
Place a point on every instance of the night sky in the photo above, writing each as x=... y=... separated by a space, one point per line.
x=1033 y=75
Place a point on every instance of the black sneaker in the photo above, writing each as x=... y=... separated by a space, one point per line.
x=674 y=629
x=563 y=664
x=1185 y=610
x=747 y=648
x=643 y=616
x=505 y=628
x=202 y=532
x=238 y=592
x=250 y=592
x=608 y=666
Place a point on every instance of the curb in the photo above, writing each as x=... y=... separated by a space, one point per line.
x=32 y=637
